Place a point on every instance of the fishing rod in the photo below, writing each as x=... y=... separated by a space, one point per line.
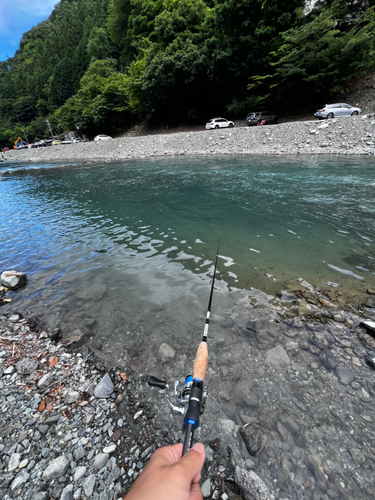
x=191 y=398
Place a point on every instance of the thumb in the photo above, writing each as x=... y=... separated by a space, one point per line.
x=192 y=462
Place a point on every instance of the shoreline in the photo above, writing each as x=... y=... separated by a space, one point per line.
x=345 y=136
x=74 y=428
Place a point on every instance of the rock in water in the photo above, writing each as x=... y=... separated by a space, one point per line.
x=94 y=292
x=328 y=359
x=345 y=376
x=254 y=438
x=166 y=351
x=105 y=387
x=277 y=358
x=251 y=486
x=13 y=282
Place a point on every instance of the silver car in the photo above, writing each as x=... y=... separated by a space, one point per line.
x=337 y=110
x=219 y=123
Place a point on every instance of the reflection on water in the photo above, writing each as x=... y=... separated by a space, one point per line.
x=123 y=252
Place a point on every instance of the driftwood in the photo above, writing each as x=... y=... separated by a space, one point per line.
x=13 y=274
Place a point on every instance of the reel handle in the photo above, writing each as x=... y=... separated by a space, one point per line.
x=156 y=382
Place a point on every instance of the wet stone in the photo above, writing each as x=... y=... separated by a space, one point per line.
x=277 y=358
x=166 y=351
x=357 y=456
x=251 y=485
x=328 y=359
x=344 y=375
x=254 y=438
x=95 y=291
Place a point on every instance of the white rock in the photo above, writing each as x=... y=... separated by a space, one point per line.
x=109 y=449
x=14 y=461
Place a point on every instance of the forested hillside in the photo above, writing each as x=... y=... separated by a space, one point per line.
x=105 y=65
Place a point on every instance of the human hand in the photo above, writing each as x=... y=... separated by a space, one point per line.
x=167 y=476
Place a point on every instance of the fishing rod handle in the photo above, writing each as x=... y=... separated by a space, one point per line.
x=200 y=362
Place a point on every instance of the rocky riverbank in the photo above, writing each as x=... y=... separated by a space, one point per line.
x=289 y=415
x=72 y=428
x=345 y=136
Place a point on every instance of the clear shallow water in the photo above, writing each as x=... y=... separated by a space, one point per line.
x=278 y=220
x=123 y=252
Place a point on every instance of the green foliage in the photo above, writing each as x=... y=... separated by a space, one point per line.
x=316 y=58
x=99 y=45
x=47 y=68
x=101 y=102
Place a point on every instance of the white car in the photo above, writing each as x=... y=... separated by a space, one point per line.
x=219 y=123
x=102 y=137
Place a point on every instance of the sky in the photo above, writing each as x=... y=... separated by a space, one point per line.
x=18 y=16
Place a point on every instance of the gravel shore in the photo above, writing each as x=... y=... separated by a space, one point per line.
x=345 y=136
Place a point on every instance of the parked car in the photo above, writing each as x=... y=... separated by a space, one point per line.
x=336 y=110
x=56 y=143
x=102 y=137
x=256 y=117
x=219 y=123
x=76 y=140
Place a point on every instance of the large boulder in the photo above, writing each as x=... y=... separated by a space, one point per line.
x=13 y=279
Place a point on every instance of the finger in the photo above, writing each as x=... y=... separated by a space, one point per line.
x=199 y=447
x=168 y=455
x=193 y=461
x=195 y=492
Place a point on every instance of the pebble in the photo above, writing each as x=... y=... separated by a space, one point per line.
x=105 y=387
x=26 y=366
x=100 y=460
x=206 y=488
x=88 y=485
x=56 y=468
x=14 y=462
x=109 y=449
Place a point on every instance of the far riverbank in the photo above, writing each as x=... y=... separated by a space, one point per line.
x=345 y=136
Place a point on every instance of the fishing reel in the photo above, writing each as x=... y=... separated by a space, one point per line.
x=181 y=392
